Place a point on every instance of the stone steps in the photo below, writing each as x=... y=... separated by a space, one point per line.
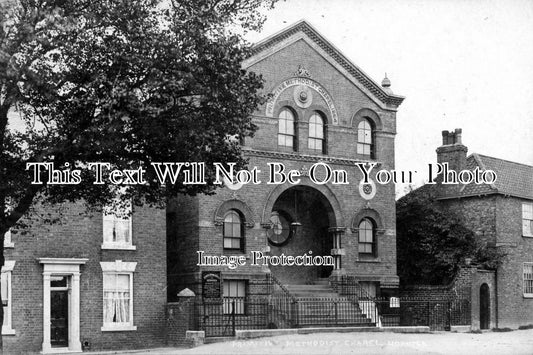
x=320 y=305
x=320 y=289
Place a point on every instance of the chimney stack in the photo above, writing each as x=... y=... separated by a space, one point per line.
x=452 y=150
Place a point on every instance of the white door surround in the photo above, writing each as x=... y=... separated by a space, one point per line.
x=64 y=267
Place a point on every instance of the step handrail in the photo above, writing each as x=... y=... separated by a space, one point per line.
x=273 y=281
x=362 y=298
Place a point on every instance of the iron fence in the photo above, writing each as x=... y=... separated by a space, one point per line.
x=437 y=314
x=277 y=308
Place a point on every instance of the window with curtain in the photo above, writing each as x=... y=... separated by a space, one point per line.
x=367 y=239
x=233 y=230
x=117 y=299
x=316 y=133
x=118 y=295
x=286 y=129
x=8 y=243
x=364 y=138
x=234 y=295
x=117 y=231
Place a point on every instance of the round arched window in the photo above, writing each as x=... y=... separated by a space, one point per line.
x=364 y=138
x=233 y=230
x=367 y=240
x=286 y=128
x=316 y=133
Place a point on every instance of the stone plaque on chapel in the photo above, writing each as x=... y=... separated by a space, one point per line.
x=211 y=284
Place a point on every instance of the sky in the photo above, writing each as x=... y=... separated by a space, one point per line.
x=460 y=64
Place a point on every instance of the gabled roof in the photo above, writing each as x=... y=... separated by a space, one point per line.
x=334 y=53
x=513 y=179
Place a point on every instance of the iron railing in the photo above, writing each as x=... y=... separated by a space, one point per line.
x=437 y=314
x=281 y=304
x=276 y=307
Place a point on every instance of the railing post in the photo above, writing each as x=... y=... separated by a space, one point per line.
x=375 y=310
x=233 y=317
x=336 y=313
x=295 y=313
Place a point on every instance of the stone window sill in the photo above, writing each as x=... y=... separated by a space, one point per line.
x=109 y=246
x=8 y=331
x=118 y=328
x=9 y=245
x=376 y=260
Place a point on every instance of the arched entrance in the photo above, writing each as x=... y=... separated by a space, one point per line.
x=484 y=307
x=301 y=217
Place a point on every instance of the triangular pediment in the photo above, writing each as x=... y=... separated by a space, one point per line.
x=302 y=30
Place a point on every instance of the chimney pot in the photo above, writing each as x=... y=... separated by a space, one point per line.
x=445 y=137
x=458 y=136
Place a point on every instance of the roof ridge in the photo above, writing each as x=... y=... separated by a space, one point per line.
x=505 y=160
x=483 y=167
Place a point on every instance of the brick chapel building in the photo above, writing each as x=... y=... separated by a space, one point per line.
x=500 y=214
x=322 y=109
x=89 y=282
x=99 y=282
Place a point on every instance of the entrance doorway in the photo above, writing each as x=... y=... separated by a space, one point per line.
x=311 y=211
x=61 y=304
x=59 y=310
x=484 y=307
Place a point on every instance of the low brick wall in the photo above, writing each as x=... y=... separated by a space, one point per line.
x=459 y=287
x=179 y=321
x=457 y=303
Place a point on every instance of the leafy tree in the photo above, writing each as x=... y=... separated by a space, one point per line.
x=432 y=242
x=127 y=82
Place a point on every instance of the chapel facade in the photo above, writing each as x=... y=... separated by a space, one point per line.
x=323 y=112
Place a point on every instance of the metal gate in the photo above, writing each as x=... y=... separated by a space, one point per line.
x=217 y=319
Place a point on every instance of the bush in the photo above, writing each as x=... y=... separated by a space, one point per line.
x=433 y=242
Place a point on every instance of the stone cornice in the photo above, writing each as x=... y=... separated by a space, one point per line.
x=333 y=52
x=305 y=157
x=63 y=261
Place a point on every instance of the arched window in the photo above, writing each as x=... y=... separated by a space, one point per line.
x=316 y=133
x=365 y=144
x=286 y=129
x=233 y=231
x=367 y=237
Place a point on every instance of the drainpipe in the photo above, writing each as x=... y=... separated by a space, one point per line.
x=496 y=299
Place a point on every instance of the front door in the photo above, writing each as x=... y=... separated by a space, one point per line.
x=484 y=307
x=59 y=312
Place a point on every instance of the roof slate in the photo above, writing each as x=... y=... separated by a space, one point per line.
x=513 y=178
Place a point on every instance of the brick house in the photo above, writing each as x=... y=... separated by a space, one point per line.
x=323 y=109
x=500 y=214
x=88 y=282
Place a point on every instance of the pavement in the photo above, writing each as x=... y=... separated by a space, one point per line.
x=516 y=342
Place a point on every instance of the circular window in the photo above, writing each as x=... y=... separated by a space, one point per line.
x=280 y=232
